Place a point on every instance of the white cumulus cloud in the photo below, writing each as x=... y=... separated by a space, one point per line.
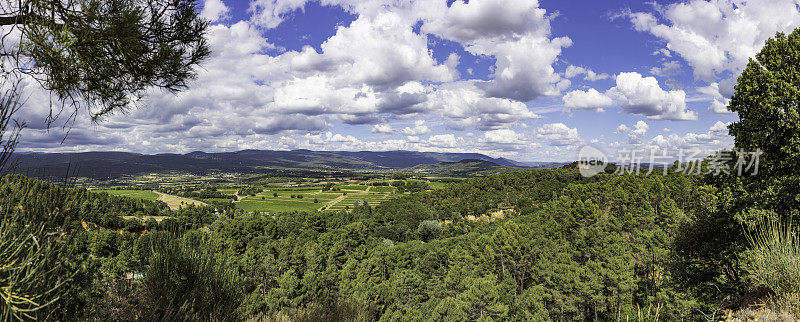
x=516 y=32
x=642 y=95
x=419 y=129
x=718 y=36
x=382 y=128
x=587 y=100
x=214 y=10
x=573 y=71
x=558 y=134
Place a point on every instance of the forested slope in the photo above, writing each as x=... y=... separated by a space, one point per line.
x=572 y=248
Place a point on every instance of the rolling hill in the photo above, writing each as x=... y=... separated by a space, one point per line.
x=116 y=164
x=466 y=167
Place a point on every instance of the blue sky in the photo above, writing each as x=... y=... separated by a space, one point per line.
x=527 y=80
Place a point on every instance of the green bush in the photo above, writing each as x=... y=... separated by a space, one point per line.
x=185 y=282
x=429 y=229
x=775 y=258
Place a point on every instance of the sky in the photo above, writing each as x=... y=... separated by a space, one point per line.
x=522 y=79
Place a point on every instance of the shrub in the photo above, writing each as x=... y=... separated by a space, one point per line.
x=774 y=258
x=429 y=229
x=183 y=281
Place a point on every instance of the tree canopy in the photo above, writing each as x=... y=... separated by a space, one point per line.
x=103 y=54
x=767 y=100
x=714 y=249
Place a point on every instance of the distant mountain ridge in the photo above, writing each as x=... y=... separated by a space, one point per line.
x=466 y=167
x=115 y=164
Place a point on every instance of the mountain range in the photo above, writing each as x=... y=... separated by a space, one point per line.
x=115 y=164
x=463 y=168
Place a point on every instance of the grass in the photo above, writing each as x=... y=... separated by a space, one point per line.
x=437 y=185
x=295 y=189
x=309 y=196
x=352 y=187
x=175 y=202
x=138 y=194
x=284 y=202
x=383 y=189
x=210 y=200
x=774 y=258
x=370 y=199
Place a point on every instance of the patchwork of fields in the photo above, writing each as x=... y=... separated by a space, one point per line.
x=138 y=194
x=307 y=199
x=174 y=202
x=283 y=198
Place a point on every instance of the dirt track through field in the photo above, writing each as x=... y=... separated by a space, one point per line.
x=174 y=202
x=333 y=202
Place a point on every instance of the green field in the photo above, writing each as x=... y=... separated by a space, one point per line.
x=284 y=202
x=277 y=205
x=138 y=194
x=437 y=185
x=382 y=189
x=352 y=187
x=283 y=194
x=328 y=200
x=210 y=200
x=372 y=199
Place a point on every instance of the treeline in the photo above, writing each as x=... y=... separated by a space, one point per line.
x=574 y=248
x=58 y=245
x=410 y=185
x=243 y=191
x=197 y=193
x=523 y=189
x=56 y=206
x=74 y=204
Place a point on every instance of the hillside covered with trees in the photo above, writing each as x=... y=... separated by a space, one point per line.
x=572 y=248
x=536 y=244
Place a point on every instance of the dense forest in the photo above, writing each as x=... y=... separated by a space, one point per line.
x=596 y=248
